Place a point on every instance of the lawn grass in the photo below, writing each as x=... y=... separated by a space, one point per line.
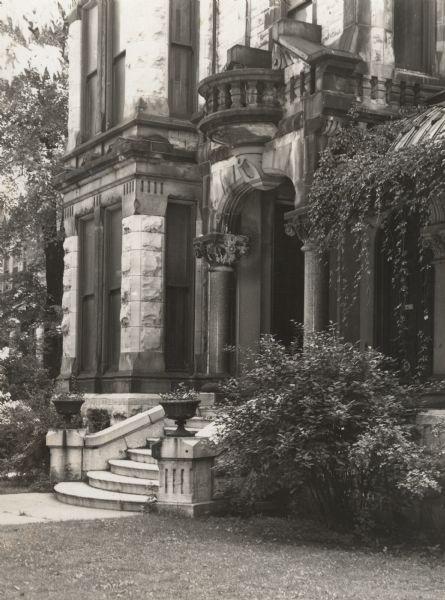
x=153 y=556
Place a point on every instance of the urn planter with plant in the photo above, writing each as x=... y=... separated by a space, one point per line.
x=180 y=405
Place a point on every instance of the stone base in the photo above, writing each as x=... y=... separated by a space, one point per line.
x=197 y=509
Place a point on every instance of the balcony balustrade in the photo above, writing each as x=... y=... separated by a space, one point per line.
x=242 y=106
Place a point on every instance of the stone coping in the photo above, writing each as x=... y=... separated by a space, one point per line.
x=124 y=428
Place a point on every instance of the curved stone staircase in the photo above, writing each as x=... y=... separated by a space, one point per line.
x=129 y=484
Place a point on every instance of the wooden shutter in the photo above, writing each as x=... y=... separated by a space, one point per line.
x=179 y=281
x=182 y=58
x=88 y=321
x=112 y=329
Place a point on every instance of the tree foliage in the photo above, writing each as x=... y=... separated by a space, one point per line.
x=328 y=421
x=362 y=180
x=33 y=126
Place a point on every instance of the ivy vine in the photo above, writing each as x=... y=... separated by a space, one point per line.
x=362 y=180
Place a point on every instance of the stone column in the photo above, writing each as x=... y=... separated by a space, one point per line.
x=70 y=307
x=434 y=237
x=316 y=288
x=316 y=273
x=221 y=251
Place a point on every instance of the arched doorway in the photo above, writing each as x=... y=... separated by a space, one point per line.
x=269 y=291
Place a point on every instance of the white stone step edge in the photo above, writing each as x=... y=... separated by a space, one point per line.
x=78 y=493
x=142 y=455
x=130 y=468
x=105 y=480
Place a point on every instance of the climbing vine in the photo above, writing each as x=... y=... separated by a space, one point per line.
x=361 y=181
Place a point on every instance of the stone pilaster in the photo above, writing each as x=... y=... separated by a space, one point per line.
x=70 y=305
x=142 y=307
x=221 y=251
x=434 y=237
x=316 y=273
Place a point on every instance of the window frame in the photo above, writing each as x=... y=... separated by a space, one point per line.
x=193 y=46
x=105 y=73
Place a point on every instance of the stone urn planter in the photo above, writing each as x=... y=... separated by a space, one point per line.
x=180 y=405
x=68 y=407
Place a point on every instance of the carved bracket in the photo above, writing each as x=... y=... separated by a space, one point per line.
x=221 y=249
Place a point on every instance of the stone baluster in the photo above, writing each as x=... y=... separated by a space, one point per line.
x=316 y=274
x=251 y=93
x=269 y=94
x=235 y=92
x=221 y=251
x=434 y=237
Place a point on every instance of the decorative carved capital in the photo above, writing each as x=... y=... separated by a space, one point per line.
x=434 y=238
x=221 y=249
x=297 y=224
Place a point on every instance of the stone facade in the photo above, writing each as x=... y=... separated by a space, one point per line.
x=272 y=89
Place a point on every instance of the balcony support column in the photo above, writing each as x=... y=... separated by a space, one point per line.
x=316 y=273
x=220 y=251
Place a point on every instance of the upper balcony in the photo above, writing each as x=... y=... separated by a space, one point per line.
x=242 y=106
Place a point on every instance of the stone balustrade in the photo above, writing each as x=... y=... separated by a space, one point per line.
x=367 y=92
x=242 y=105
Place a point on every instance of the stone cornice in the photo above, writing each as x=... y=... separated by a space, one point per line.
x=221 y=249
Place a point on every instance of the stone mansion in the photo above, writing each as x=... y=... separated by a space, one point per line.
x=194 y=131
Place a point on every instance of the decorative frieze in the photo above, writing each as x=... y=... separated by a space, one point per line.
x=221 y=249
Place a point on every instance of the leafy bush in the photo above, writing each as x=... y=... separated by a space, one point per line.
x=98 y=419
x=26 y=414
x=326 y=423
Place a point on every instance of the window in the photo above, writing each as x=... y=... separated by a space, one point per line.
x=91 y=112
x=100 y=302
x=118 y=64
x=103 y=73
x=112 y=325
x=179 y=282
x=419 y=35
x=182 y=58
x=88 y=320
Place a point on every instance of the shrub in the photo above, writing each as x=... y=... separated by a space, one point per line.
x=98 y=419
x=328 y=423
x=26 y=414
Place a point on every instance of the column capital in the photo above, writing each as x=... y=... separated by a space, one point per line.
x=297 y=224
x=434 y=238
x=221 y=249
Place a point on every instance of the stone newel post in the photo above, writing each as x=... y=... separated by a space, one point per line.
x=221 y=251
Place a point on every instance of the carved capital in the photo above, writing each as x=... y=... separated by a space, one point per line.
x=221 y=249
x=434 y=238
x=297 y=224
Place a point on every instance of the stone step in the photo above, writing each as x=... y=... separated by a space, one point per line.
x=80 y=494
x=142 y=455
x=105 y=480
x=130 y=468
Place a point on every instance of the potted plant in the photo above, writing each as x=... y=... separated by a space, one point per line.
x=68 y=405
x=180 y=405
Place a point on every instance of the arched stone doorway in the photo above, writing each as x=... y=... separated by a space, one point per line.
x=269 y=291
